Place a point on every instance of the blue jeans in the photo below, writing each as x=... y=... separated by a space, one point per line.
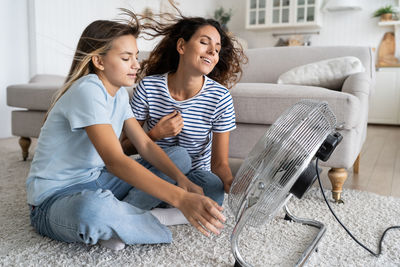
x=211 y=184
x=92 y=211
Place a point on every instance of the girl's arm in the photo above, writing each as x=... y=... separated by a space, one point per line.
x=198 y=209
x=219 y=159
x=153 y=154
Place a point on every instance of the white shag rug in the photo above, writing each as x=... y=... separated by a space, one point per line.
x=278 y=243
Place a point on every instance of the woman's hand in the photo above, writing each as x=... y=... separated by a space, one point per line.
x=167 y=126
x=202 y=212
x=190 y=186
x=227 y=184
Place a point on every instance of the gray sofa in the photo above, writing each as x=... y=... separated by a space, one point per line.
x=258 y=102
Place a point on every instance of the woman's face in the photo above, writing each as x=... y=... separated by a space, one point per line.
x=120 y=64
x=201 y=52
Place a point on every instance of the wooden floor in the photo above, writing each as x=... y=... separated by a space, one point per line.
x=379 y=163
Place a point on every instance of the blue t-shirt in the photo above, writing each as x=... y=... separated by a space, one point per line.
x=64 y=155
x=211 y=110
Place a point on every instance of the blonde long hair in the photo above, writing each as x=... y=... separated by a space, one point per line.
x=96 y=40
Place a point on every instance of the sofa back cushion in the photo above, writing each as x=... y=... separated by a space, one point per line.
x=263 y=103
x=266 y=64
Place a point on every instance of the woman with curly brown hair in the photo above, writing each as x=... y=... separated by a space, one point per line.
x=183 y=100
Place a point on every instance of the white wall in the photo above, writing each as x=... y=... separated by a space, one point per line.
x=14 y=64
x=339 y=28
x=59 y=23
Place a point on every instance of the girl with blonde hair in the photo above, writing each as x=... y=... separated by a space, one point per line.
x=79 y=173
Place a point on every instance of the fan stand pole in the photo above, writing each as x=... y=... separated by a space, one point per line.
x=239 y=261
x=306 y=254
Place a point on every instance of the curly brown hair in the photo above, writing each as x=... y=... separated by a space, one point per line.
x=165 y=58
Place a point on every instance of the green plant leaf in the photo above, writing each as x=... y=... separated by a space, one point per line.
x=384 y=10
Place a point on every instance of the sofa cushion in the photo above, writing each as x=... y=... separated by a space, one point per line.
x=329 y=73
x=263 y=103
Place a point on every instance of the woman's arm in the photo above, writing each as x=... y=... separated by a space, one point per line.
x=198 y=209
x=219 y=159
x=167 y=126
x=127 y=146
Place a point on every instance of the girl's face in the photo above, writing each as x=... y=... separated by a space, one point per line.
x=201 y=52
x=120 y=64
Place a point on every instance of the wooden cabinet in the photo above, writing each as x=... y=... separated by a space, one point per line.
x=283 y=13
x=384 y=106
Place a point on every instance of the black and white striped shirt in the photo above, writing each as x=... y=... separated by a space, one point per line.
x=211 y=110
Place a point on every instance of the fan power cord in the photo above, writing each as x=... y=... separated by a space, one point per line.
x=347 y=230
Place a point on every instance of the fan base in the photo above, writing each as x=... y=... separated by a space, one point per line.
x=237 y=264
x=239 y=261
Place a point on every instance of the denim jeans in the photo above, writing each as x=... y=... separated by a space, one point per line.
x=92 y=211
x=211 y=184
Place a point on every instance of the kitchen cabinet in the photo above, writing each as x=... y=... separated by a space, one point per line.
x=263 y=14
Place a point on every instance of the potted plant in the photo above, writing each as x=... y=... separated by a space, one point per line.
x=385 y=13
x=222 y=16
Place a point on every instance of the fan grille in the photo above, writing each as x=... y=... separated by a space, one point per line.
x=276 y=161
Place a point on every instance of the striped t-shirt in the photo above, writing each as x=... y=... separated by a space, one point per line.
x=211 y=110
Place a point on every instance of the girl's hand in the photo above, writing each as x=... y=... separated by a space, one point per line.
x=203 y=213
x=190 y=186
x=168 y=126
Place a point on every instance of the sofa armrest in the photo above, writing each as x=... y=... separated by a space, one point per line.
x=48 y=79
x=34 y=96
x=356 y=84
x=360 y=85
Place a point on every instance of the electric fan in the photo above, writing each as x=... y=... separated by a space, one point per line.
x=281 y=165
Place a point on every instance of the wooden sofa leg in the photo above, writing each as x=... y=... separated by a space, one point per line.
x=356 y=166
x=337 y=176
x=25 y=142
